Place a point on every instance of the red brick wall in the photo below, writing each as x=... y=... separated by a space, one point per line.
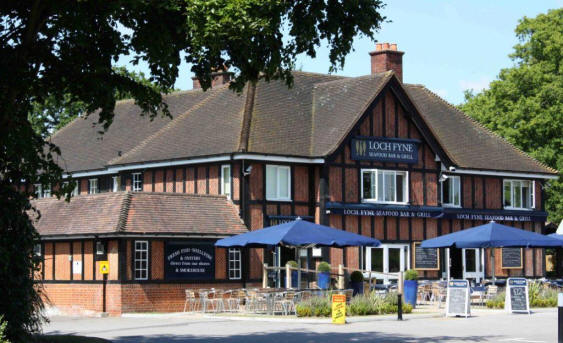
x=75 y=298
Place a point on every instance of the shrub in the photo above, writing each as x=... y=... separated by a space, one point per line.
x=411 y=274
x=538 y=296
x=360 y=305
x=314 y=307
x=323 y=267
x=496 y=302
x=356 y=276
x=292 y=264
x=3 y=325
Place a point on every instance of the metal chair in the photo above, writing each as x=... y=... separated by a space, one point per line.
x=191 y=300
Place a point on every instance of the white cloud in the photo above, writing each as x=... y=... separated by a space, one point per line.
x=476 y=85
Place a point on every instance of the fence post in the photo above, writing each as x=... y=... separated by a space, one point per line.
x=340 y=276
x=265 y=275
x=400 y=297
x=287 y=276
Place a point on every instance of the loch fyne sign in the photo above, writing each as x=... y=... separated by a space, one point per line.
x=385 y=149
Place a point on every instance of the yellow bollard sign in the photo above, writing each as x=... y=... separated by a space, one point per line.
x=338 y=309
x=104 y=267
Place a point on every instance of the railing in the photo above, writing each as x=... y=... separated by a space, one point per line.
x=341 y=274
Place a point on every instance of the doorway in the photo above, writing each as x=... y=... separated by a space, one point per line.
x=456 y=263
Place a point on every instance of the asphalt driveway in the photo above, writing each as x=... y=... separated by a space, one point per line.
x=485 y=326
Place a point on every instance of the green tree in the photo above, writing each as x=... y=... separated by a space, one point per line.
x=54 y=113
x=63 y=52
x=525 y=104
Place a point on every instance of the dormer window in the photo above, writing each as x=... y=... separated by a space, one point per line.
x=92 y=186
x=137 y=182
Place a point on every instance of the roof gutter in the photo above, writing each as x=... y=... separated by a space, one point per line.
x=504 y=173
x=218 y=158
x=130 y=235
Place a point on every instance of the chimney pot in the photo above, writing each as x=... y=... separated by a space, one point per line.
x=217 y=78
x=386 y=57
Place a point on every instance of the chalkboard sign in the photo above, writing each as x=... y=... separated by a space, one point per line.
x=457 y=299
x=189 y=261
x=511 y=258
x=516 y=298
x=426 y=258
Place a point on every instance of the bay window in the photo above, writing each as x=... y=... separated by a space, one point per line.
x=518 y=194
x=451 y=190
x=278 y=183
x=384 y=186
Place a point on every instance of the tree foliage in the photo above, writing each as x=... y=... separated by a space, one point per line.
x=61 y=55
x=525 y=104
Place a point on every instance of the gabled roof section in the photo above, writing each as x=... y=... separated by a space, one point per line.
x=338 y=105
x=126 y=213
x=470 y=144
x=281 y=121
x=210 y=127
x=83 y=148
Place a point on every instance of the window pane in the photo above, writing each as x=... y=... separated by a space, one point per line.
x=377 y=260
x=400 y=187
x=525 y=195
x=284 y=182
x=446 y=191
x=517 y=195
x=271 y=182
x=455 y=191
x=507 y=194
x=380 y=186
x=368 y=190
x=389 y=187
x=394 y=260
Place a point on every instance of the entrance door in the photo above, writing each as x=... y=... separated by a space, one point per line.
x=387 y=258
x=472 y=264
x=456 y=263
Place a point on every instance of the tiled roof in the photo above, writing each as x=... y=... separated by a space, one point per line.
x=311 y=119
x=470 y=144
x=123 y=213
x=83 y=148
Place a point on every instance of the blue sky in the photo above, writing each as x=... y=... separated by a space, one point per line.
x=449 y=45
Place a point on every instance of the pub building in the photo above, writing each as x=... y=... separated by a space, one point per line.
x=370 y=155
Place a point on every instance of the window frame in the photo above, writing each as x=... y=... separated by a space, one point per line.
x=96 y=189
x=225 y=191
x=451 y=203
x=234 y=255
x=532 y=195
x=139 y=182
x=277 y=173
x=143 y=270
x=375 y=200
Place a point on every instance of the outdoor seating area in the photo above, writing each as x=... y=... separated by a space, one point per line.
x=268 y=301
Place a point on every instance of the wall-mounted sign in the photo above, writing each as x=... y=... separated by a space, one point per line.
x=426 y=258
x=385 y=149
x=516 y=298
x=409 y=211
x=76 y=267
x=189 y=261
x=457 y=298
x=276 y=220
x=104 y=267
x=511 y=258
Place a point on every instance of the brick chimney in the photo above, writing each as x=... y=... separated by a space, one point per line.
x=385 y=58
x=219 y=78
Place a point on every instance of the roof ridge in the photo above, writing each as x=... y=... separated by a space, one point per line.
x=315 y=73
x=487 y=130
x=124 y=212
x=352 y=78
x=166 y=127
x=216 y=196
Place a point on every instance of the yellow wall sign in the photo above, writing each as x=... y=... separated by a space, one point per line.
x=104 y=267
x=338 y=309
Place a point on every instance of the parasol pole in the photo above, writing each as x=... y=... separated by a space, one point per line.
x=493 y=265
